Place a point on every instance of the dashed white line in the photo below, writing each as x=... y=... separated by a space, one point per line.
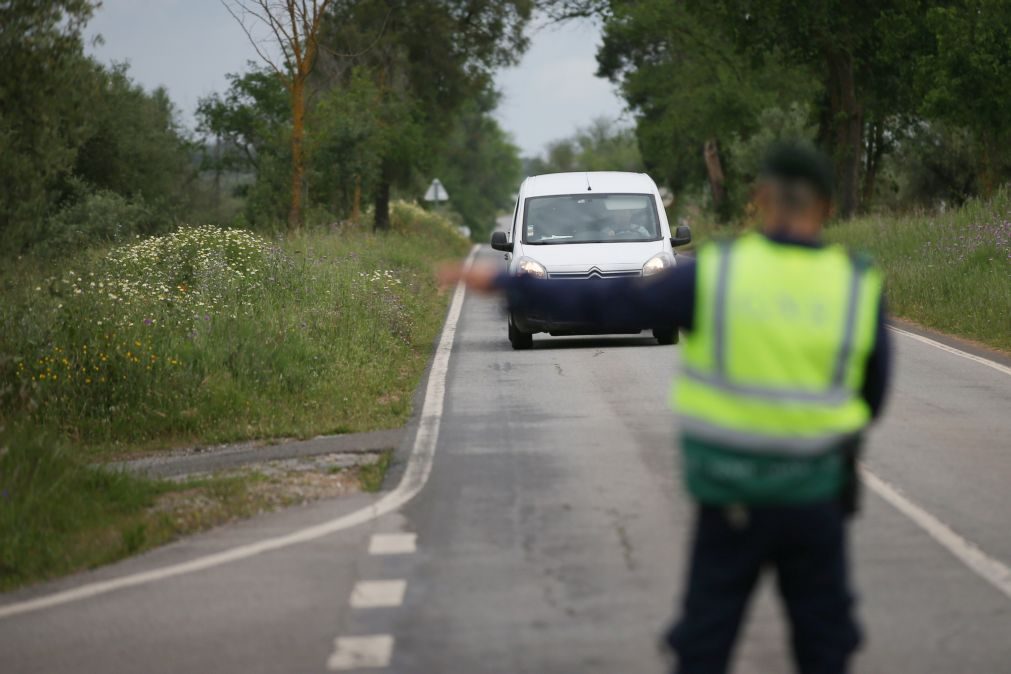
x=368 y=652
x=378 y=593
x=419 y=467
x=392 y=544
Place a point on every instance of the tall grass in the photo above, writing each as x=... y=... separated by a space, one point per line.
x=58 y=514
x=950 y=271
x=209 y=335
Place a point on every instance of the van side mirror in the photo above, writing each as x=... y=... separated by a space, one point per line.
x=682 y=236
x=499 y=241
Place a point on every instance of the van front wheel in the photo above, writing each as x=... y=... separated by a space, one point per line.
x=519 y=339
x=666 y=335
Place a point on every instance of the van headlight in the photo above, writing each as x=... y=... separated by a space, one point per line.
x=530 y=267
x=657 y=264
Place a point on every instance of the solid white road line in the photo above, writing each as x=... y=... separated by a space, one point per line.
x=378 y=593
x=361 y=652
x=982 y=564
x=950 y=349
x=419 y=466
x=393 y=544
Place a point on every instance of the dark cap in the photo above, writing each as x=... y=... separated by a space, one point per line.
x=795 y=162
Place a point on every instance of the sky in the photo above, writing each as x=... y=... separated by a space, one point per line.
x=188 y=46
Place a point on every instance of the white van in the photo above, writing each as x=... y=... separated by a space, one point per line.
x=593 y=226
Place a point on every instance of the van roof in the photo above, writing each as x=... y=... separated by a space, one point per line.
x=600 y=181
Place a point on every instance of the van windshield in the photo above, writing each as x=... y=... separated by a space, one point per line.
x=590 y=218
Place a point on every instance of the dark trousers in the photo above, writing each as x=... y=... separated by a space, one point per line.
x=806 y=545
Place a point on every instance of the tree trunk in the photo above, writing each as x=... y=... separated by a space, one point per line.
x=875 y=150
x=847 y=131
x=382 y=202
x=714 y=169
x=356 y=202
x=217 y=171
x=297 y=152
x=987 y=172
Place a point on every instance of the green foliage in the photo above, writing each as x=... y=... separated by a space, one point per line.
x=479 y=165
x=45 y=86
x=950 y=271
x=931 y=164
x=686 y=83
x=359 y=134
x=249 y=127
x=135 y=147
x=210 y=335
x=602 y=146
x=80 y=143
x=888 y=87
x=965 y=81
x=96 y=218
x=427 y=59
x=772 y=125
x=361 y=131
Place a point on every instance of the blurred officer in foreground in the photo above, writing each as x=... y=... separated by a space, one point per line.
x=785 y=360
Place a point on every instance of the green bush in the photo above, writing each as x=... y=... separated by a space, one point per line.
x=97 y=218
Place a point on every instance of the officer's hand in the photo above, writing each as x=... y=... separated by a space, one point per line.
x=478 y=277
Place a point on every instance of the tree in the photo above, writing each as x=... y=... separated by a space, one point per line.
x=966 y=80
x=358 y=125
x=45 y=85
x=846 y=44
x=249 y=128
x=294 y=27
x=427 y=58
x=691 y=91
x=135 y=146
x=479 y=165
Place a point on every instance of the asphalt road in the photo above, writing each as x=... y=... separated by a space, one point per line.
x=549 y=536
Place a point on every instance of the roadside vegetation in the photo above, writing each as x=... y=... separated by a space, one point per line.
x=200 y=336
x=950 y=271
x=59 y=514
x=209 y=335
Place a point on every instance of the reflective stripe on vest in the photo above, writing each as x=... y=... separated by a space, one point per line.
x=790 y=383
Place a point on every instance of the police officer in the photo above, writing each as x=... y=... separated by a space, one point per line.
x=785 y=361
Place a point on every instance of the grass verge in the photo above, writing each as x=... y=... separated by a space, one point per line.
x=200 y=337
x=59 y=515
x=950 y=271
x=213 y=336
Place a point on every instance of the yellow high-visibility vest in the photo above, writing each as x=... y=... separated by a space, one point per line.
x=775 y=361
